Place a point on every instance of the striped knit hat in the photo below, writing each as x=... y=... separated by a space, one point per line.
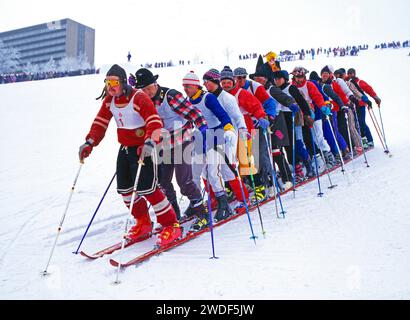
x=191 y=79
x=227 y=73
x=212 y=75
x=240 y=72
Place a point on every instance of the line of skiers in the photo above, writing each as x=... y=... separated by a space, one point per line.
x=225 y=134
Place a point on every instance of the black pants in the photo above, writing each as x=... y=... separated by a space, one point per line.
x=183 y=175
x=127 y=166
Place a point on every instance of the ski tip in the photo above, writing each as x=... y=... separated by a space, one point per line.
x=93 y=257
x=114 y=263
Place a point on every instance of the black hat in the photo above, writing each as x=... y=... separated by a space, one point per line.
x=314 y=76
x=262 y=70
x=144 y=77
x=281 y=74
x=119 y=72
x=351 y=71
x=328 y=69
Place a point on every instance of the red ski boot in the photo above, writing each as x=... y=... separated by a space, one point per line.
x=169 y=234
x=141 y=231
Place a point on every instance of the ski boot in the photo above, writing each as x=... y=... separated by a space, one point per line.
x=329 y=159
x=169 y=234
x=286 y=186
x=357 y=151
x=365 y=143
x=338 y=159
x=259 y=195
x=141 y=231
x=223 y=211
x=202 y=217
x=370 y=144
x=229 y=194
x=310 y=172
x=299 y=174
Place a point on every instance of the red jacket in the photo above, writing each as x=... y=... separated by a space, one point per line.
x=339 y=91
x=366 y=87
x=249 y=105
x=143 y=106
x=311 y=93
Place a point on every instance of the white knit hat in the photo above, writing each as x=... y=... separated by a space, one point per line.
x=191 y=79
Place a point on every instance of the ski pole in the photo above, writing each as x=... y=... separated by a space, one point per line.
x=273 y=173
x=235 y=171
x=384 y=134
x=124 y=238
x=356 y=118
x=324 y=161
x=275 y=190
x=377 y=128
x=95 y=212
x=320 y=194
x=211 y=224
x=45 y=272
x=293 y=154
x=254 y=189
x=253 y=237
x=328 y=119
x=350 y=137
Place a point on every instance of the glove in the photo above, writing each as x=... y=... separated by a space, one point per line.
x=85 y=150
x=354 y=100
x=244 y=134
x=131 y=80
x=345 y=109
x=271 y=120
x=365 y=99
x=294 y=108
x=270 y=107
x=312 y=114
x=378 y=100
x=369 y=103
x=229 y=136
x=146 y=149
x=263 y=123
x=326 y=111
x=309 y=121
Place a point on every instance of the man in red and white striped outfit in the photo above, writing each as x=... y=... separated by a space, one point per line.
x=139 y=128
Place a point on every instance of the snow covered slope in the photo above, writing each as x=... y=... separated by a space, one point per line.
x=354 y=243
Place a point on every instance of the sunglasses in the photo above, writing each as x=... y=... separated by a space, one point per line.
x=112 y=83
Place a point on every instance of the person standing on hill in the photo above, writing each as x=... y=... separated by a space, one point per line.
x=177 y=115
x=138 y=130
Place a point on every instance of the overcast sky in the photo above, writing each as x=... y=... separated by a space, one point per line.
x=156 y=30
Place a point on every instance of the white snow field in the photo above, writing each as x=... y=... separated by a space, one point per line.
x=354 y=243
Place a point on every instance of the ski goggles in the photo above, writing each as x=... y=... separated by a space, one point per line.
x=112 y=83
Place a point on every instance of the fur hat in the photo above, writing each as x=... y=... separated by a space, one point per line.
x=299 y=71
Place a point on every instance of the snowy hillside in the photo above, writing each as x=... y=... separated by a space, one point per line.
x=354 y=243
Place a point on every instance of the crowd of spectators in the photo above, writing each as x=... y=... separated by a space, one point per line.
x=28 y=76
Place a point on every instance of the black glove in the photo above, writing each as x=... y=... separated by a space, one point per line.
x=146 y=149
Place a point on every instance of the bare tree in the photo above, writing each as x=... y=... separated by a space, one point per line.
x=9 y=58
